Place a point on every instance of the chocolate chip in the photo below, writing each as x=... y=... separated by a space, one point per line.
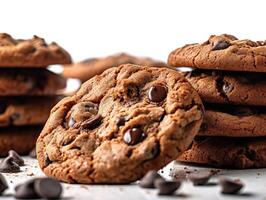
x=166 y=187
x=121 y=121
x=71 y=122
x=219 y=45
x=16 y=157
x=227 y=87
x=47 y=160
x=9 y=166
x=157 y=93
x=26 y=190
x=198 y=179
x=92 y=123
x=230 y=186
x=149 y=179
x=3 y=184
x=32 y=153
x=133 y=136
x=48 y=188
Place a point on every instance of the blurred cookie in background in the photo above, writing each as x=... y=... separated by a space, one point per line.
x=88 y=68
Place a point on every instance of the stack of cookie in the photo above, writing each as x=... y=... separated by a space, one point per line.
x=88 y=68
x=28 y=91
x=230 y=78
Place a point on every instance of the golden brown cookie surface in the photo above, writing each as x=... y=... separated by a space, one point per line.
x=119 y=125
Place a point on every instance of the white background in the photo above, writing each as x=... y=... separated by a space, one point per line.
x=147 y=28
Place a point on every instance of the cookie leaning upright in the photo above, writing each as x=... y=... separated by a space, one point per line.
x=223 y=52
x=119 y=125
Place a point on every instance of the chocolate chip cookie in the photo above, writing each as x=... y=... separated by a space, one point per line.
x=21 y=139
x=88 y=68
x=223 y=52
x=33 y=52
x=119 y=125
x=20 y=111
x=37 y=82
x=233 y=121
x=240 y=153
x=229 y=87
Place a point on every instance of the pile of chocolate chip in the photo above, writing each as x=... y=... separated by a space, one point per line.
x=153 y=180
x=36 y=188
x=12 y=163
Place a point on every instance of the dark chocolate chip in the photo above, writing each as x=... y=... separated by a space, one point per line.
x=219 y=45
x=3 y=184
x=166 y=187
x=133 y=136
x=48 y=188
x=148 y=180
x=26 y=190
x=32 y=153
x=227 y=87
x=121 y=121
x=157 y=93
x=9 y=166
x=198 y=179
x=71 y=122
x=204 y=126
x=92 y=123
x=230 y=186
x=16 y=157
x=47 y=160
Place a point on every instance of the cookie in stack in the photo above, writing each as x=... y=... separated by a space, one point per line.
x=230 y=76
x=88 y=68
x=28 y=90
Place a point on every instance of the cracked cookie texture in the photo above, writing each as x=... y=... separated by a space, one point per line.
x=119 y=125
x=33 y=52
x=233 y=121
x=223 y=52
x=229 y=87
x=239 y=153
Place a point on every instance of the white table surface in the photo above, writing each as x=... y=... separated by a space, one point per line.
x=255 y=186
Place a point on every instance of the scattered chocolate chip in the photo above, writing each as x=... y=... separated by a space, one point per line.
x=148 y=180
x=157 y=93
x=32 y=153
x=71 y=122
x=26 y=190
x=121 y=121
x=48 y=188
x=47 y=160
x=166 y=187
x=230 y=186
x=227 y=87
x=133 y=136
x=3 y=184
x=16 y=157
x=92 y=123
x=8 y=165
x=219 y=45
x=198 y=179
